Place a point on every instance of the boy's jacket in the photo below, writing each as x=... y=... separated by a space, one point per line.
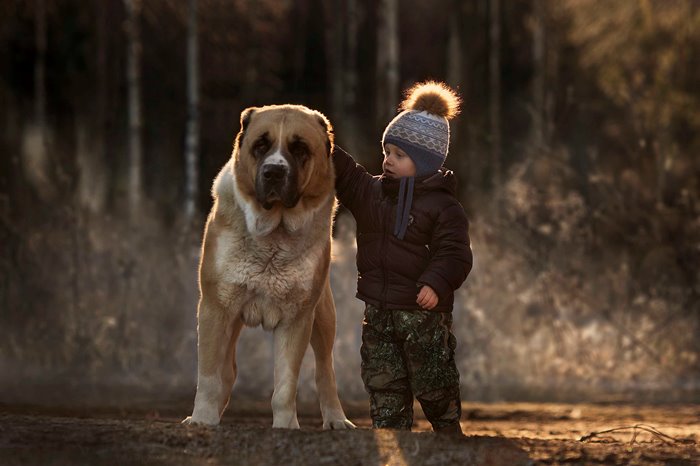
x=435 y=250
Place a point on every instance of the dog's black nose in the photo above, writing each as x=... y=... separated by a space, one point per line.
x=274 y=173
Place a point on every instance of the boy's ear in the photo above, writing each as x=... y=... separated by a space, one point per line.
x=326 y=125
x=246 y=116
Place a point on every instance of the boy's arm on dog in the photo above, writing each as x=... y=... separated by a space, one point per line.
x=352 y=181
x=452 y=258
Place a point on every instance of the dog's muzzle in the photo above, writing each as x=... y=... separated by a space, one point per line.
x=276 y=183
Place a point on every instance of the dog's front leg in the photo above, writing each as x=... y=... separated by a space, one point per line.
x=291 y=341
x=217 y=334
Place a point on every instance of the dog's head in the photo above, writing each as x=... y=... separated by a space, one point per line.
x=282 y=155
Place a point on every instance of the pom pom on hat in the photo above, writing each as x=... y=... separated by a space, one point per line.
x=432 y=97
x=422 y=129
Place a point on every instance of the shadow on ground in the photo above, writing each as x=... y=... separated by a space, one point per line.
x=63 y=441
x=497 y=434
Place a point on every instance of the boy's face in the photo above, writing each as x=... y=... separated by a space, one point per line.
x=397 y=163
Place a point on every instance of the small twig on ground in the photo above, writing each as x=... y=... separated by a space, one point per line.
x=635 y=431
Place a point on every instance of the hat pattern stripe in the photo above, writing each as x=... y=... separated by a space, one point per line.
x=435 y=133
x=425 y=141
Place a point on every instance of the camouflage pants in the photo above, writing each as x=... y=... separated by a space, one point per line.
x=407 y=353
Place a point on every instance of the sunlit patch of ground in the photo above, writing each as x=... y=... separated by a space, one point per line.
x=504 y=433
x=552 y=433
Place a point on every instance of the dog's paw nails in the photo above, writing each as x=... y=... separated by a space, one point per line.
x=190 y=421
x=339 y=424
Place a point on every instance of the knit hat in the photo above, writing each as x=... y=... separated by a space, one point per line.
x=421 y=129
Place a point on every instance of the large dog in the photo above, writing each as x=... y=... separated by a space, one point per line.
x=265 y=261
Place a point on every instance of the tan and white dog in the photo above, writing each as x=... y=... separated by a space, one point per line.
x=265 y=261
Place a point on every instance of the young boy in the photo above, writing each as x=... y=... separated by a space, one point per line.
x=413 y=252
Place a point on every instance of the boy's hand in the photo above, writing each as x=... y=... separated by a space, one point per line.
x=427 y=298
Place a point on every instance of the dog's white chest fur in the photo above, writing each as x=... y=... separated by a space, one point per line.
x=263 y=280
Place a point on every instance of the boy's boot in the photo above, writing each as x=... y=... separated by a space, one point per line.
x=452 y=429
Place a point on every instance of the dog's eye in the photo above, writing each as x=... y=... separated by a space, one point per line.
x=260 y=147
x=299 y=150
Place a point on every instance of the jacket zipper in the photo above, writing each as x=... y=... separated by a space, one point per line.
x=385 y=277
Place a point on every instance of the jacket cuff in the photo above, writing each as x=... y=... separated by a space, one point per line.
x=437 y=283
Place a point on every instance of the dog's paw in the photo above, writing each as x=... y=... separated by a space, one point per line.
x=193 y=421
x=285 y=422
x=339 y=424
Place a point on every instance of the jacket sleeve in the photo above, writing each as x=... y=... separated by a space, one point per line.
x=452 y=258
x=352 y=181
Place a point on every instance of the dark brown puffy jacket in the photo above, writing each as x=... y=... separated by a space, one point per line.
x=435 y=250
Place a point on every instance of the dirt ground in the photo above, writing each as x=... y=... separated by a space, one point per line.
x=496 y=434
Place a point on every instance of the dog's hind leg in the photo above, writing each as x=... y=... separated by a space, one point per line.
x=216 y=354
x=291 y=341
x=322 y=337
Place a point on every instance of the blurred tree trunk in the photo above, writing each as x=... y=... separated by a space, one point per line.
x=662 y=143
x=36 y=163
x=454 y=46
x=40 y=74
x=101 y=133
x=192 y=130
x=495 y=89
x=342 y=56
x=474 y=81
x=387 y=60
x=90 y=129
x=300 y=12
x=133 y=77
x=551 y=70
x=455 y=76
x=336 y=55
x=539 y=73
x=351 y=78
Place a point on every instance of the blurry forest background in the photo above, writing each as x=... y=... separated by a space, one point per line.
x=578 y=154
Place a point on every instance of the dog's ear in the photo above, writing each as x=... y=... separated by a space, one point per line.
x=328 y=128
x=246 y=116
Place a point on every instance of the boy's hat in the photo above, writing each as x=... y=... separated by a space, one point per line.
x=421 y=129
